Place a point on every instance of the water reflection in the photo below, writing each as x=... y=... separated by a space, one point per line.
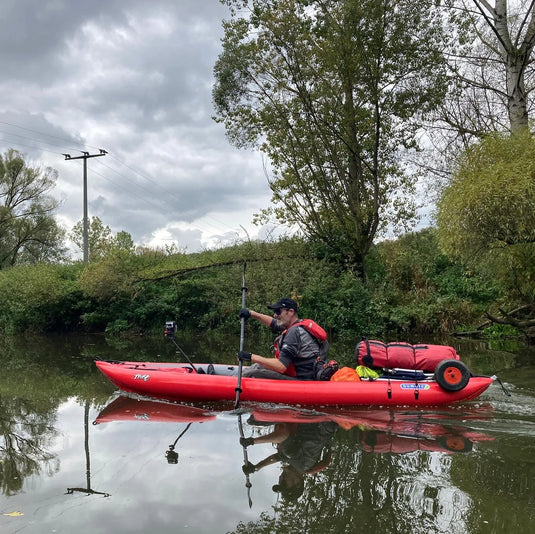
x=179 y=468
x=25 y=436
x=88 y=490
x=337 y=458
x=379 y=430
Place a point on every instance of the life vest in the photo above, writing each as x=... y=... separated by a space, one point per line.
x=313 y=328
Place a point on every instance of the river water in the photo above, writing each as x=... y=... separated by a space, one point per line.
x=75 y=456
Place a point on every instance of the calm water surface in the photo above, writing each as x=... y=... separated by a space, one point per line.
x=75 y=456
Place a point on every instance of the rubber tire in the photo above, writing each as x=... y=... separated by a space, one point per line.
x=452 y=375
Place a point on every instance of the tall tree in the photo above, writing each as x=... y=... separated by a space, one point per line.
x=333 y=93
x=28 y=231
x=492 y=72
x=513 y=33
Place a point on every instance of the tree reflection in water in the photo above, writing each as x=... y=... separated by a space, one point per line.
x=25 y=434
x=88 y=490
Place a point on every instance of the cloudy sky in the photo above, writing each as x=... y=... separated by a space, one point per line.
x=133 y=77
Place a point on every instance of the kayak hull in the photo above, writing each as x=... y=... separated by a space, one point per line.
x=178 y=382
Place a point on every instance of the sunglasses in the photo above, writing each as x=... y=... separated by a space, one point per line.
x=279 y=311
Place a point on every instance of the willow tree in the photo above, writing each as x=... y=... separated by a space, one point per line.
x=486 y=216
x=333 y=92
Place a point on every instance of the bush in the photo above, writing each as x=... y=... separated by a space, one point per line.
x=40 y=298
x=411 y=289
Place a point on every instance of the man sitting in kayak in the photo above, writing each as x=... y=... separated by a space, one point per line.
x=296 y=348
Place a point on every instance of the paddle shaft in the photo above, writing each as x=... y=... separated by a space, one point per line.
x=242 y=339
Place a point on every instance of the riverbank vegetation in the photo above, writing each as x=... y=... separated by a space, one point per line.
x=411 y=290
x=347 y=145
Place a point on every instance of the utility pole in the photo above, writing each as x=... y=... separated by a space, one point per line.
x=85 y=157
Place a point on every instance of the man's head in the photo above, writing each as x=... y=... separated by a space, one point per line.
x=285 y=311
x=291 y=484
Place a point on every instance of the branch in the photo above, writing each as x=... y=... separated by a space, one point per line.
x=188 y=270
x=510 y=320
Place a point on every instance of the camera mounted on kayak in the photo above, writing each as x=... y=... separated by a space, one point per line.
x=170 y=329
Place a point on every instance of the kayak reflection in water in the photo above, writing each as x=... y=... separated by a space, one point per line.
x=301 y=448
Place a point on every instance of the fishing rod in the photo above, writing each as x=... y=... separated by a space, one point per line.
x=170 y=329
x=242 y=339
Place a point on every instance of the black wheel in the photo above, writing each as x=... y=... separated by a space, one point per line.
x=452 y=375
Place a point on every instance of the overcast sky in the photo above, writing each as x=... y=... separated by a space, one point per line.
x=133 y=77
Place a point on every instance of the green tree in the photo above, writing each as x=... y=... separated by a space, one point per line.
x=101 y=241
x=490 y=202
x=333 y=92
x=486 y=216
x=28 y=231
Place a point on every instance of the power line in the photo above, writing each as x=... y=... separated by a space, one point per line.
x=166 y=196
x=64 y=139
x=166 y=193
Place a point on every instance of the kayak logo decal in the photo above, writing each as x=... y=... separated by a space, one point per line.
x=415 y=386
x=145 y=378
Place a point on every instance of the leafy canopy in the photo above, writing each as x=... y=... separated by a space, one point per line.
x=333 y=92
x=101 y=241
x=28 y=230
x=490 y=202
x=486 y=216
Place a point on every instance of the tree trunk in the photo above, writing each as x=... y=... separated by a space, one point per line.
x=515 y=54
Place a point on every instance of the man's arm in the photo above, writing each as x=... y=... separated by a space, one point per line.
x=269 y=363
x=266 y=320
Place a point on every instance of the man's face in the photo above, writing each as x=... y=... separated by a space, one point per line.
x=284 y=316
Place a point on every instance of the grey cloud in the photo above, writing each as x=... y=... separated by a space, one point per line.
x=135 y=79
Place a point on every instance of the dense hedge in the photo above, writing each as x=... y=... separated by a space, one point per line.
x=410 y=289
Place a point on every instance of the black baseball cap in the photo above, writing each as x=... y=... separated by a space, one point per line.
x=284 y=304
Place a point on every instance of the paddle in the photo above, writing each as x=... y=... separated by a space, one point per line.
x=242 y=339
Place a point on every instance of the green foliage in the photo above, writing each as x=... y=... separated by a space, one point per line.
x=490 y=202
x=513 y=269
x=40 y=298
x=28 y=232
x=486 y=216
x=417 y=289
x=501 y=331
x=412 y=289
x=333 y=93
x=100 y=240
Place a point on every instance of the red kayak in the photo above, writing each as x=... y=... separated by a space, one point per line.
x=218 y=382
